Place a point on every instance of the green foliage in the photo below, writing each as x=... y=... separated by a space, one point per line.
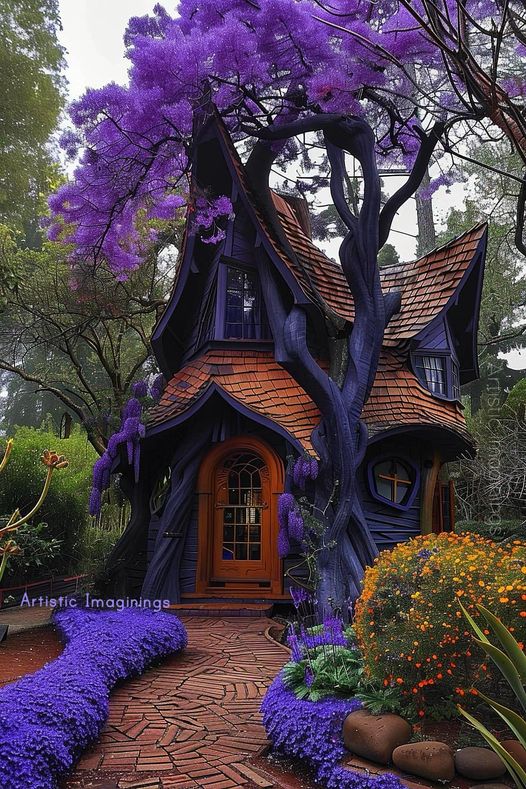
x=502 y=325
x=335 y=671
x=65 y=508
x=379 y=700
x=511 y=662
x=40 y=557
x=516 y=400
x=94 y=548
x=85 y=342
x=10 y=269
x=511 y=529
x=31 y=98
x=388 y=255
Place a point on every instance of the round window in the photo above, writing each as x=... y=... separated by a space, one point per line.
x=393 y=481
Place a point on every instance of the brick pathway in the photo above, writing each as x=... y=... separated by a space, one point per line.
x=193 y=721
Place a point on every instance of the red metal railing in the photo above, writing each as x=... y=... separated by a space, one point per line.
x=50 y=587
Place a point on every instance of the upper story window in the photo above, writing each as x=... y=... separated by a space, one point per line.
x=244 y=317
x=432 y=369
x=439 y=373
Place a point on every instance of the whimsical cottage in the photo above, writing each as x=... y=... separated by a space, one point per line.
x=204 y=518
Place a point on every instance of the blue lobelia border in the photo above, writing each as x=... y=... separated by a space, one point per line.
x=47 y=719
x=311 y=731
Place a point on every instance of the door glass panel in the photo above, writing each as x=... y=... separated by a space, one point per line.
x=242 y=513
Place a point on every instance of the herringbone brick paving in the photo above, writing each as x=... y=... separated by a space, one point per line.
x=193 y=721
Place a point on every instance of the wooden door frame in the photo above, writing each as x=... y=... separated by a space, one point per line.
x=206 y=492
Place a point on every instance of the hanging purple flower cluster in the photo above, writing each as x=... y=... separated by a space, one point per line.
x=207 y=215
x=312 y=731
x=291 y=525
x=290 y=519
x=305 y=468
x=130 y=433
x=47 y=719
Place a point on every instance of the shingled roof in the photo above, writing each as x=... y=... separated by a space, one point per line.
x=261 y=386
x=426 y=284
x=253 y=379
x=257 y=382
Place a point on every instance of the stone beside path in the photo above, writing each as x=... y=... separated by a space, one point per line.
x=193 y=721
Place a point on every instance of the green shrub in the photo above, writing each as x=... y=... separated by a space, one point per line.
x=94 y=548
x=502 y=530
x=408 y=621
x=41 y=555
x=65 y=509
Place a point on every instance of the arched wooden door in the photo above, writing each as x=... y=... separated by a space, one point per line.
x=239 y=483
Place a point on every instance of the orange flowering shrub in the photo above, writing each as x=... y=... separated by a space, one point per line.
x=409 y=624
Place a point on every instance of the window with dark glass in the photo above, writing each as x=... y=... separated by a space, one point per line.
x=439 y=373
x=392 y=481
x=243 y=308
x=432 y=370
x=242 y=513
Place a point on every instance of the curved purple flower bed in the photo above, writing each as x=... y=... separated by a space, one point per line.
x=48 y=718
x=312 y=731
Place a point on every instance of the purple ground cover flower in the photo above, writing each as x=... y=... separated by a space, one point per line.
x=48 y=718
x=312 y=731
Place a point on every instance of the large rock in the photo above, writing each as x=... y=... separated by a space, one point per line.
x=433 y=760
x=375 y=737
x=517 y=750
x=479 y=763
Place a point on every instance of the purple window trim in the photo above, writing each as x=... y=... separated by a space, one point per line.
x=414 y=475
x=452 y=393
x=262 y=331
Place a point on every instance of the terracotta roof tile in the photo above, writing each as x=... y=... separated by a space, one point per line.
x=426 y=284
x=258 y=382
x=254 y=379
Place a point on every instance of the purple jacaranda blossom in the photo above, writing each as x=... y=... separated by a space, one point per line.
x=280 y=49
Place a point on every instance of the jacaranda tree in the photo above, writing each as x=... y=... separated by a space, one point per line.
x=359 y=80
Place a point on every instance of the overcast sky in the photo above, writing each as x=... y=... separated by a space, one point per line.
x=92 y=34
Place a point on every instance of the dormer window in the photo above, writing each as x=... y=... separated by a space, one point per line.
x=244 y=317
x=432 y=370
x=439 y=373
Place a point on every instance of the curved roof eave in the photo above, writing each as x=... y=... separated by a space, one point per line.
x=198 y=403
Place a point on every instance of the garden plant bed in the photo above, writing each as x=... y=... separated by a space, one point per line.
x=48 y=718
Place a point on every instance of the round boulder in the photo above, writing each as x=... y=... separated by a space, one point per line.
x=516 y=750
x=433 y=760
x=375 y=737
x=479 y=764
